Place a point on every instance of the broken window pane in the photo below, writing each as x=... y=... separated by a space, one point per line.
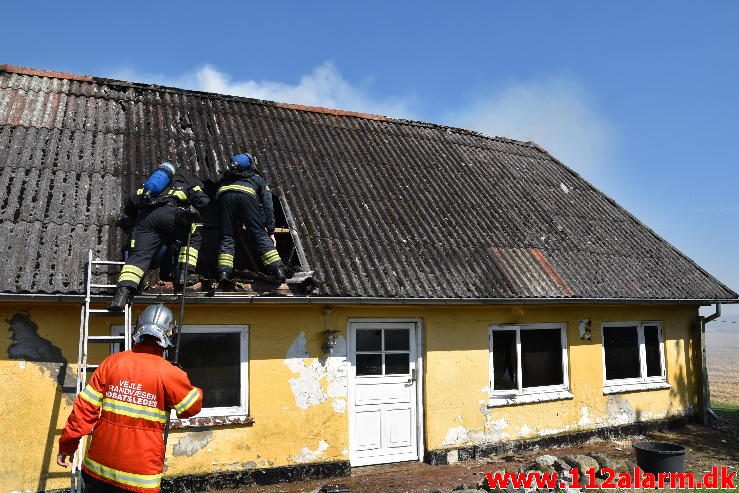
x=505 y=360
x=369 y=364
x=621 y=346
x=369 y=340
x=397 y=340
x=396 y=364
x=213 y=363
x=651 y=346
x=541 y=357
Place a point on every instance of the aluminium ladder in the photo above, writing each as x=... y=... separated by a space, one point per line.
x=85 y=339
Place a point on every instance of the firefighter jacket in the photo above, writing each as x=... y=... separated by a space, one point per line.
x=125 y=406
x=184 y=190
x=253 y=185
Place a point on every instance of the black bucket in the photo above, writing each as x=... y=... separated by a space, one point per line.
x=656 y=457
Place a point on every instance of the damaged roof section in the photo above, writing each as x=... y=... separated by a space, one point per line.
x=382 y=207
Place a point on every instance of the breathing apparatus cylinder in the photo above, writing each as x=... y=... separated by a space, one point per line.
x=159 y=180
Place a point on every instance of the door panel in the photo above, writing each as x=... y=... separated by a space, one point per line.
x=383 y=392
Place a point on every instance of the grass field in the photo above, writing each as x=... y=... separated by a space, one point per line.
x=722 y=347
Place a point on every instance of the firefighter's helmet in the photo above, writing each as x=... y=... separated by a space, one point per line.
x=241 y=162
x=156 y=321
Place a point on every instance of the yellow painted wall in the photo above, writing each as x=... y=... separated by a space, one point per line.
x=310 y=425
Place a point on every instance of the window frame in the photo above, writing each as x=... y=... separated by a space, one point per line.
x=523 y=395
x=643 y=382
x=242 y=410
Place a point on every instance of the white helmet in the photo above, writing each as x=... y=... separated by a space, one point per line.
x=156 y=321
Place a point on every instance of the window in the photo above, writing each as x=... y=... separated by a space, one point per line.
x=215 y=358
x=528 y=363
x=633 y=356
x=383 y=352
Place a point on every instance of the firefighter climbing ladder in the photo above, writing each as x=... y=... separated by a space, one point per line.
x=93 y=264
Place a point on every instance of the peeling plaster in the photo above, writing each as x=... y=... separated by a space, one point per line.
x=339 y=405
x=458 y=434
x=585 y=418
x=27 y=345
x=619 y=410
x=308 y=455
x=307 y=387
x=191 y=443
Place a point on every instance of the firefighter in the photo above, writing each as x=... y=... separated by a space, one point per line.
x=125 y=407
x=165 y=207
x=244 y=198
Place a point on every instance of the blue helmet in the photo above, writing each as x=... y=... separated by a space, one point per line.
x=241 y=162
x=159 y=180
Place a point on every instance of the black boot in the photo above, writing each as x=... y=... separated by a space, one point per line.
x=277 y=272
x=191 y=280
x=121 y=298
x=224 y=281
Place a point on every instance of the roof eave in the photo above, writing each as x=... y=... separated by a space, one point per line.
x=357 y=300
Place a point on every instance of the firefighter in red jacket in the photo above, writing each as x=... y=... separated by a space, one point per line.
x=125 y=406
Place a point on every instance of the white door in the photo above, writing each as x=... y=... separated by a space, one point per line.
x=383 y=416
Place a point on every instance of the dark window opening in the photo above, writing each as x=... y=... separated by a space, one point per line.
x=369 y=364
x=369 y=340
x=505 y=360
x=213 y=363
x=541 y=357
x=652 y=352
x=621 y=346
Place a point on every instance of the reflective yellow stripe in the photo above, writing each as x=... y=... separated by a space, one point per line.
x=192 y=259
x=180 y=195
x=270 y=257
x=228 y=261
x=131 y=273
x=133 y=243
x=122 y=477
x=187 y=402
x=236 y=188
x=197 y=188
x=91 y=395
x=129 y=268
x=269 y=253
x=193 y=251
x=129 y=277
x=140 y=191
x=134 y=410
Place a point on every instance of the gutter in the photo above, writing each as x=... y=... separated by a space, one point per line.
x=707 y=414
x=350 y=300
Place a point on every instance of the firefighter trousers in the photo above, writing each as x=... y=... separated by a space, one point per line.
x=240 y=208
x=156 y=226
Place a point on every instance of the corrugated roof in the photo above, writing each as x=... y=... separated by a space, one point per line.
x=383 y=207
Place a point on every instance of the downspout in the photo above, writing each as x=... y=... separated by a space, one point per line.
x=706 y=413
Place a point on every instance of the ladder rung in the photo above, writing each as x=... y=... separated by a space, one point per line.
x=107 y=262
x=106 y=339
x=106 y=286
x=105 y=311
x=91 y=367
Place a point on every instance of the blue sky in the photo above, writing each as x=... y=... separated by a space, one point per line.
x=640 y=97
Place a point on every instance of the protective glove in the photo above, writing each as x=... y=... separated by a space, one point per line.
x=193 y=214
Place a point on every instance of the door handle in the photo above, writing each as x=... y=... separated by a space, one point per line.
x=412 y=379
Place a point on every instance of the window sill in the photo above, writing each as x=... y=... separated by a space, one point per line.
x=512 y=400
x=208 y=421
x=634 y=387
